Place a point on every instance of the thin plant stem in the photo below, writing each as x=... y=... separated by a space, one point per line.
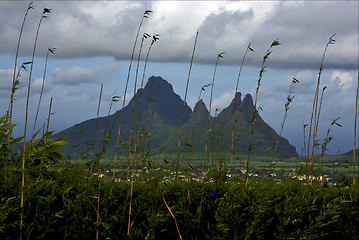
x=220 y=55
x=105 y=141
x=169 y=209
x=96 y=123
x=304 y=137
x=315 y=133
x=315 y=100
x=286 y=108
x=195 y=116
x=42 y=88
x=234 y=105
x=184 y=107
x=154 y=39
x=45 y=11
x=145 y=15
x=255 y=110
x=143 y=132
x=213 y=137
x=326 y=141
x=145 y=35
x=355 y=127
x=107 y=135
x=15 y=66
x=45 y=138
x=151 y=119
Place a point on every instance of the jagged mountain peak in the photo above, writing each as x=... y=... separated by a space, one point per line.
x=248 y=99
x=237 y=98
x=157 y=81
x=198 y=117
x=200 y=106
x=160 y=112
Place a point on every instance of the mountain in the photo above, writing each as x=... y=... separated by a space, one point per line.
x=159 y=117
x=220 y=133
x=159 y=104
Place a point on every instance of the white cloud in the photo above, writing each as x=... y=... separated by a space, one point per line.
x=222 y=101
x=76 y=75
x=345 y=78
x=6 y=76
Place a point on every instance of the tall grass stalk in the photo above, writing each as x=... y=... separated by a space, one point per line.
x=213 y=150
x=144 y=131
x=149 y=100
x=145 y=36
x=255 y=110
x=151 y=120
x=355 y=127
x=315 y=141
x=184 y=107
x=50 y=50
x=45 y=138
x=169 y=209
x=286 y=108
x=96 y=123
x=220 y=55
x=315 y=103
x=44 y=15
x=107 y=135
x=304 y=152
x=326 y=141
x=203 y=89
x=14 y=79
x=154 y=39
x=145 y=15
x=235 y=101
x=106 y=138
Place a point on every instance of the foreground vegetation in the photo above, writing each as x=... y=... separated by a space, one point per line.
x=44 y=195
x=63 y=205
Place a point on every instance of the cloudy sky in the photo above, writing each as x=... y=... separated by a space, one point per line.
x=94 y=41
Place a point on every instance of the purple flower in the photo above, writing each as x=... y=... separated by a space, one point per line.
x=211 y=193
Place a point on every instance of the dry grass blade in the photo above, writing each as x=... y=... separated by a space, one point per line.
x=145 y=35
x=145 y=15
x=206 y=157
x=50 y=50
x=169 y=209
x=151 y=120
x=234 y=105
x=96 y=122
x=15 y=66
x=315 y=101
x=255 y=110
x=154 y=39
x=355 y=127
x=184 y=107
x=286 y=108
x=26 y=118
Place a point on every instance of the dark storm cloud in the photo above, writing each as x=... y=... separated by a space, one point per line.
x=85 y=29
x=304 y=30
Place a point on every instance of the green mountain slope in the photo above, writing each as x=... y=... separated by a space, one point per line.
x=157 y=120
x=219 y=137
x=160 y=111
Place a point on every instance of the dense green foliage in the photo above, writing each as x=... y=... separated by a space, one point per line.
x=62 y=205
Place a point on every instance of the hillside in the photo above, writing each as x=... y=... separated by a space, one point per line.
x=159 y=118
